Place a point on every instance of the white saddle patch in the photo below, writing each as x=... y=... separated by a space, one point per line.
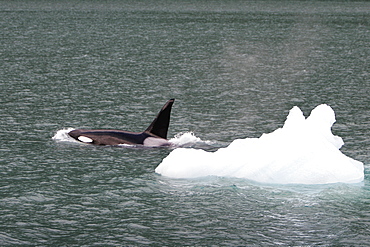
x=155 y=142
x=85 y=139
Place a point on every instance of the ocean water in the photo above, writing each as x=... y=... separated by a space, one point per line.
x=236 y=68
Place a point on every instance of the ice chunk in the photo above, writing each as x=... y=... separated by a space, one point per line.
x=303 y=151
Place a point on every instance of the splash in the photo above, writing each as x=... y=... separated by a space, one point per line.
x=187 y=138
x=62 y=135
x=303 y=151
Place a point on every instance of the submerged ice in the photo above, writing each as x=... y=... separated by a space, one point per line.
x=303 y=151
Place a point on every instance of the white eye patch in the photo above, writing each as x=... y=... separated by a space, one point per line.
x=85 y=139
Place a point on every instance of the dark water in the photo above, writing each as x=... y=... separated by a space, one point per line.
x=235 y=69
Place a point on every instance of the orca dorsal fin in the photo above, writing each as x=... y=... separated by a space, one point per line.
x=159 y=126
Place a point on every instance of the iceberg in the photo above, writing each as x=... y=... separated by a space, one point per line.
x=303 y=151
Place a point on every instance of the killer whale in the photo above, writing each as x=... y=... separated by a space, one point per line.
x=154 y=136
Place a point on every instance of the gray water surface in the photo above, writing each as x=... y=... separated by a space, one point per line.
x=236 y=68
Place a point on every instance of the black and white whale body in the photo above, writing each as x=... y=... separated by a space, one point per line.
x=154 y=136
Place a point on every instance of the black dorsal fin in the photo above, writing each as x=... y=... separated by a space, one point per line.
x=159 y=126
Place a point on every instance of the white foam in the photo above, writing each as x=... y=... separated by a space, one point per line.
x=186 y=138
x=303 y=151
x=62 y=135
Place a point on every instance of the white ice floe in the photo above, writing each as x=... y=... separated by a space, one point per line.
x=303 y=151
